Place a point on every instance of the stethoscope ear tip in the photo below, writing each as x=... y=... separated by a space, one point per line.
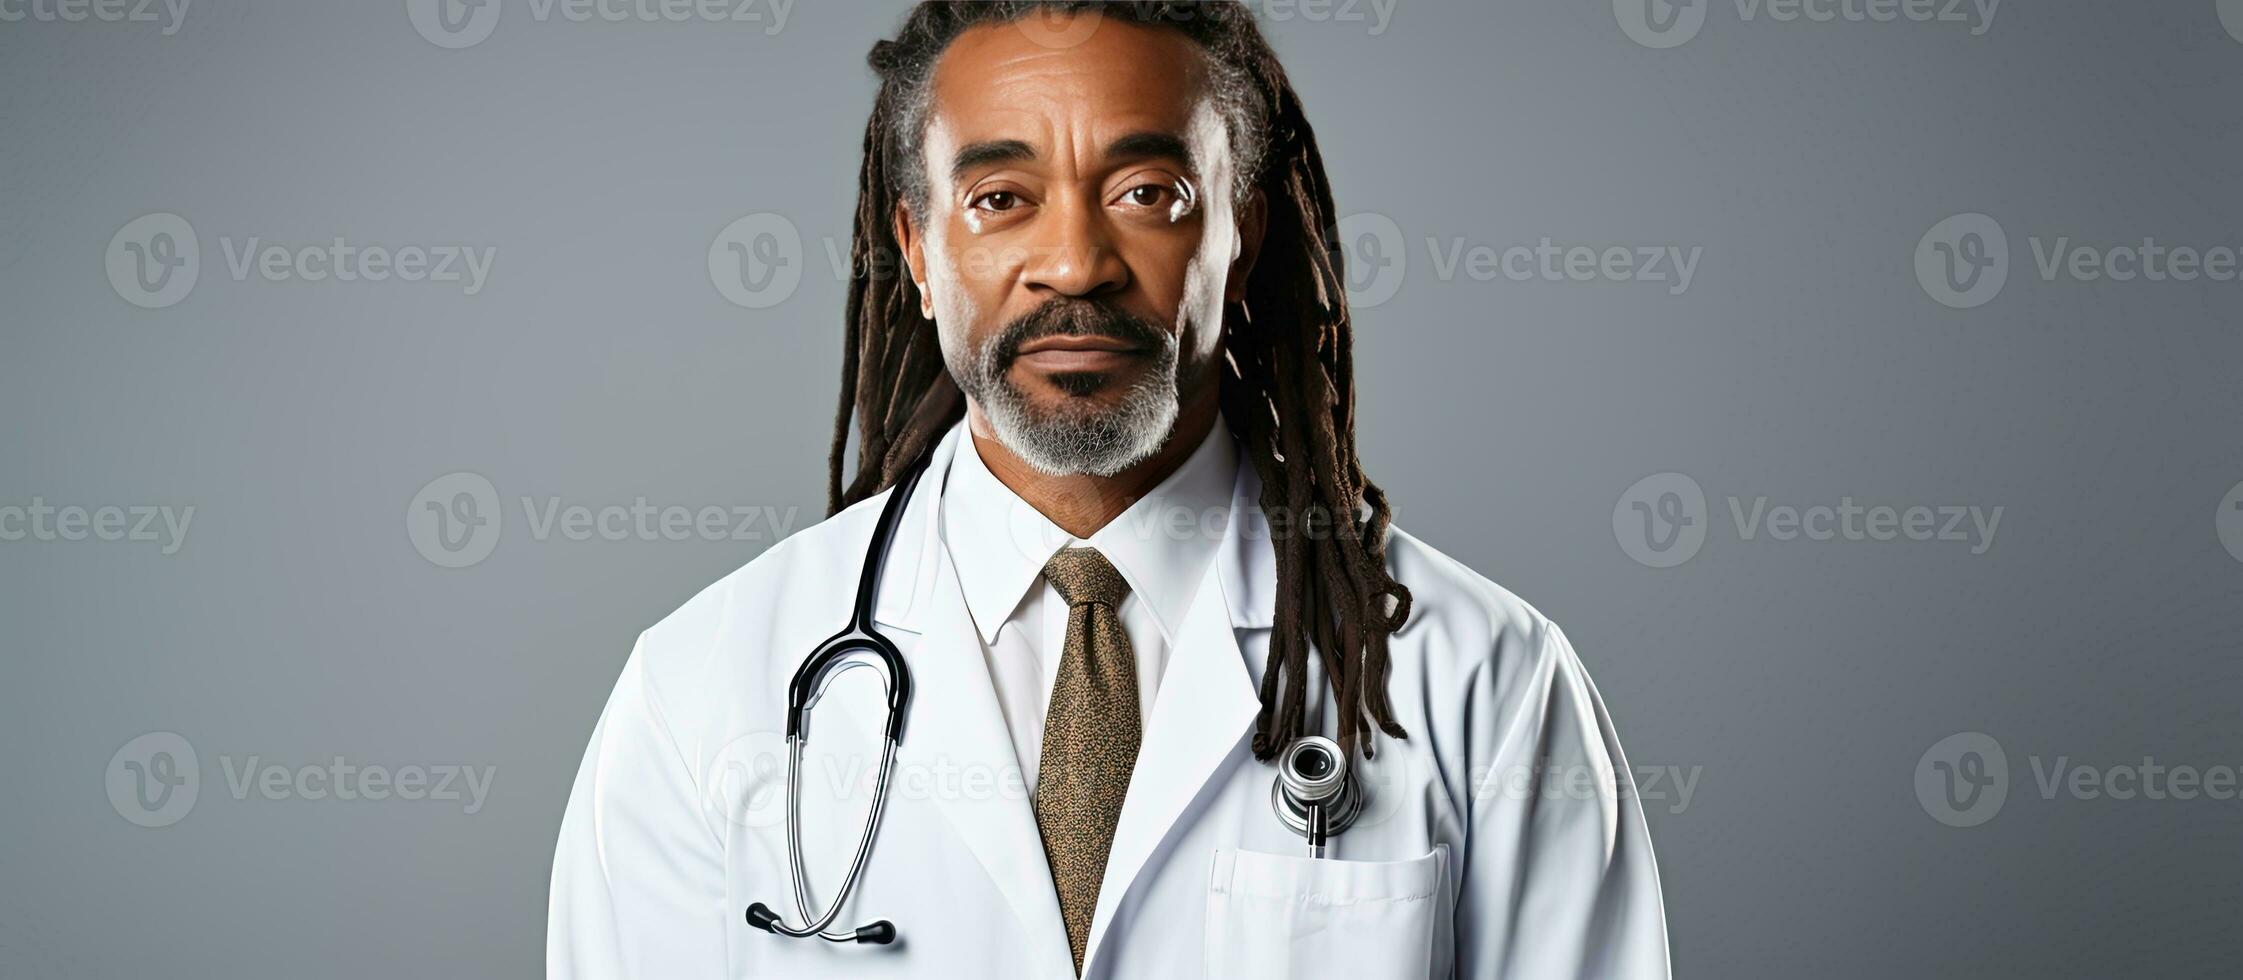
x=878 y=933
x=761 y=917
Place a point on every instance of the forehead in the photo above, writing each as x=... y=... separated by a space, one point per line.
x=1025 y=82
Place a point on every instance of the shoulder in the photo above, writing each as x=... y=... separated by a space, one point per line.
x=1484 y=682
x=1465 y=630
x=725 y=635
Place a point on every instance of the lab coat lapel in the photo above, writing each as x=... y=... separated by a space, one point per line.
x=1201 y=716
x=954 y=726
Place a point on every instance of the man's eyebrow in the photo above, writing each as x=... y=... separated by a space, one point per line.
x=1134 y=146
x=974 y=155
x=1139 y=145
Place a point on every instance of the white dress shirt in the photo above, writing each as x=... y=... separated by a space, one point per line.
x=1161 y=545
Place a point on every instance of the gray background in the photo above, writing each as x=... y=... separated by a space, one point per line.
x=1803 y=680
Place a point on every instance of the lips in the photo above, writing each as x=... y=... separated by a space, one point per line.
x=1077 y=353
x=1079 y=342
x=1055 y=361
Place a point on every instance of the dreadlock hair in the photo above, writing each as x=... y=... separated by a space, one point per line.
x=1289 y=390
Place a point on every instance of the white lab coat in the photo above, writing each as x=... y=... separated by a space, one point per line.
x=1501 y=839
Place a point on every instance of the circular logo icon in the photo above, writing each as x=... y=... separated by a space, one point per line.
x=1660 y=23
x=455 y=520
x=153 y=779
x=1661 y=521
x=153 y=260
x=1370 y=245
x=2231 y=17
x=748 y=780
x=453 y=24
x=1386 y=780
x=1963 y=779
x=1963 y=260
x=756 y=261
x=1028 y=531
x=2229 y=521
x=1053 y=28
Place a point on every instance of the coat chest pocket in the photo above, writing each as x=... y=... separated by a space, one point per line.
x=1273 y=915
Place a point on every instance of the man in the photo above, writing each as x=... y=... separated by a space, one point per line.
x=1142 y=560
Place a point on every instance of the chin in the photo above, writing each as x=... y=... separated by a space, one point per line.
x=1098 y=435
x=1058 y=389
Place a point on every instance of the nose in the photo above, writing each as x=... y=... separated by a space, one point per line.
x=1072 y=251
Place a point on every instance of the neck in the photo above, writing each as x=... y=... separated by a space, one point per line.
x=1081 y=503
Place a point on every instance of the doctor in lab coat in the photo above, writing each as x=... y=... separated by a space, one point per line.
x=1501 y=837
x=1500 y=840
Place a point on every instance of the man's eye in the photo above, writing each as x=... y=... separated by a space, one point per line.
x=1148 y=195
x=996 y=201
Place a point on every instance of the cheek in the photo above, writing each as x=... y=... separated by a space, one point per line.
x=1216 y=249
x=1177 y=272
x=957 y=309
x=1200 y=315
x=1200 y=310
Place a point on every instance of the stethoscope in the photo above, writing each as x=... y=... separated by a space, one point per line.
x=1315 y=794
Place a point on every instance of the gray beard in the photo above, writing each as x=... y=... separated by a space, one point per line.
x=1082 y=437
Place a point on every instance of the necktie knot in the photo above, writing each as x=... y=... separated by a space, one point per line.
x=1082 y=575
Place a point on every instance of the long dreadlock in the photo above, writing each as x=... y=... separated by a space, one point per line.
x=1289 y=393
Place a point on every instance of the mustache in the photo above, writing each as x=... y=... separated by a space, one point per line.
x=1065 y=317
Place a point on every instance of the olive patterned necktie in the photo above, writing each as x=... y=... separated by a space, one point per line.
x=1091 y=732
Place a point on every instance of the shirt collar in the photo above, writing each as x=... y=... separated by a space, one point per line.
x=1161 y=544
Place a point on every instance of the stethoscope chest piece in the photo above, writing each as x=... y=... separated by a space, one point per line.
x=1315 y=794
